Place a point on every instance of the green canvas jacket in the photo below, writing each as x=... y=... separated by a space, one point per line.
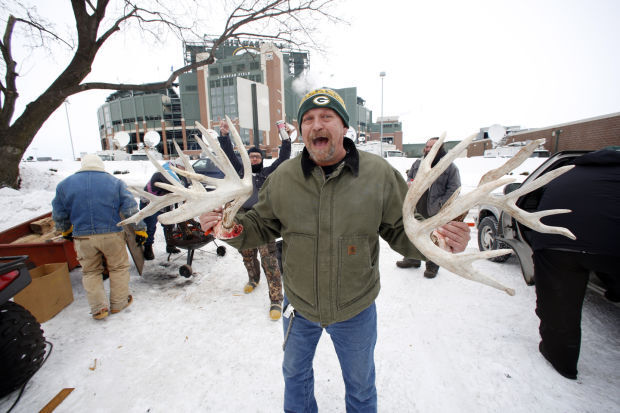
x=330 y=229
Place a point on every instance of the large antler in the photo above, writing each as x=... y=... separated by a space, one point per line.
x=230 y=191
x=461 y=264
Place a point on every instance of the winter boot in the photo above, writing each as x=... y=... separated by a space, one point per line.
x=408 y=263
x=250 y=286
x=171 y=249
x=101 y=314
x=568 y=372
x=275 y=311
x=148 y=252
x=118 y=310
x=431 y=269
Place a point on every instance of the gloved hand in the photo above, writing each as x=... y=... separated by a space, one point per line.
x=68 y=234
x=141 y=237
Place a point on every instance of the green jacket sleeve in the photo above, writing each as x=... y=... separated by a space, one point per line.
x=392 y=228
x=259 y=224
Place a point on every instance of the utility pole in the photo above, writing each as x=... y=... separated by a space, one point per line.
x=69 y=126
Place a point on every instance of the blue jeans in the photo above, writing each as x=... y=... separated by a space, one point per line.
x=354 y=341
x=151 y=224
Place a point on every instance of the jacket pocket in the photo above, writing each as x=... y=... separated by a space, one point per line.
x=299 y=264
x=356 y=274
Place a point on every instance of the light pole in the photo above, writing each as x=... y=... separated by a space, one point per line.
x=69 y=126
x=382 y=76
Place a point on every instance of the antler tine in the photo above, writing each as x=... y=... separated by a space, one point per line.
x=231 y=210
x=208 y=144
x=189 y=170
x=155 y=202
x=429 y=174
x=230 y=191
x=532 y=219
x=513 y=162
x=163 y=171
x=245 y=159
x=214 y=151
x=461 y=264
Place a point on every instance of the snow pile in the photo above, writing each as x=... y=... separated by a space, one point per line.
x=200 y=344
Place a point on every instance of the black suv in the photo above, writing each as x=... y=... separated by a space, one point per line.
x=497 y=229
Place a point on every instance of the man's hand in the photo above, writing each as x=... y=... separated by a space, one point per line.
x=224 y=131
x=212 y=221
x=455 y=235
x=141 y=237
x=208 y=220
x=68 y=234
x=292 y=132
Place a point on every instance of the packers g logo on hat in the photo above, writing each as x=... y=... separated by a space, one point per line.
x=323 y=98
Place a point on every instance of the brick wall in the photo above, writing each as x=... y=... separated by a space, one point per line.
x=588 y=134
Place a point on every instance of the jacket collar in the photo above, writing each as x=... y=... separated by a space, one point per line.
x=351 y=159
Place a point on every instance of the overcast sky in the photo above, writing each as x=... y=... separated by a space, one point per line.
x=450 y=65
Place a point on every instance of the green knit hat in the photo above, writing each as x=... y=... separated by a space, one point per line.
x=323 y=98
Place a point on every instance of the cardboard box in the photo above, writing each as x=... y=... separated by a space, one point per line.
x=49 y=292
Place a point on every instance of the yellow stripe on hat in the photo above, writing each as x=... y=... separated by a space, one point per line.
x=327 y=92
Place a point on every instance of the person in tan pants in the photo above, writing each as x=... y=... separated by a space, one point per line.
x=89 y=250
x=87 y=208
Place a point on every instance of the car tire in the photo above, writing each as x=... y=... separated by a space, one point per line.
x=487 y=238
x=22 y=346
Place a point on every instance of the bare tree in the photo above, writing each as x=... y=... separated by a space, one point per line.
x=283 y=20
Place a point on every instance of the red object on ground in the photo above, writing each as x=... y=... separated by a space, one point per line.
x=38 y=252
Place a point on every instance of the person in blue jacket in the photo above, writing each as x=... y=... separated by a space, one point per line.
x=269 y=260
x=87 y=209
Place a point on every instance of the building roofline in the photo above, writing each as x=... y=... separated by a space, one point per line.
x=559 y=125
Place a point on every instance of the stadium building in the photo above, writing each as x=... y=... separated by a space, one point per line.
x=255 y=83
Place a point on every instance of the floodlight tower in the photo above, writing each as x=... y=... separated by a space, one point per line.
x=382 y=76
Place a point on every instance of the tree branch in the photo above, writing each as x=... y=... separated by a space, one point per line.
x=10 y=91
x=143 y=86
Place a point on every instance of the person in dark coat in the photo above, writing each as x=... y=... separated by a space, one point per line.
x=433 y=199
x=151 y=222
x=268 y=252
x=591 y=190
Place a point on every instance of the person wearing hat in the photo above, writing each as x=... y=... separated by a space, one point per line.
x=330 y=206
x=87 y=208
x=433 y=199
x=268 y=258
x=151 y=222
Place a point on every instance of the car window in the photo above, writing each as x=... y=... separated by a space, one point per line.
x=205 y=165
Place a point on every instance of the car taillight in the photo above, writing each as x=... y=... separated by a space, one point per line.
x=5 y=279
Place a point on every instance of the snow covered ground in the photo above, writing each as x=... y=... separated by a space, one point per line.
x=201 y=345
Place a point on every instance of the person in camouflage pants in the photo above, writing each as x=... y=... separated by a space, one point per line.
x=269 y=262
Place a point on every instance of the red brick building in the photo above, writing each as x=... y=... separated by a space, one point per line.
x=587 y=134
